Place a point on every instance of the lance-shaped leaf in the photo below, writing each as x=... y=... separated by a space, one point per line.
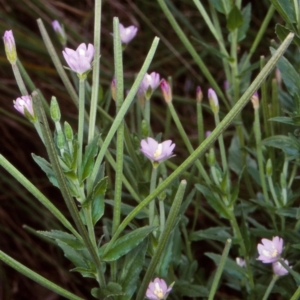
x=126 y=243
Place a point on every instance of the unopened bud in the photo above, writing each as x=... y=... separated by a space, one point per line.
x=269 y=168
x=113 y=89
x=10 y=46
x=54 y=110
x=199 y=94
x=213 y=101
x=211 y=157
x=283 y=181
x=60 y=140
x=255 y=100
x=68 y=132
x=60 y=32
x=166 y=90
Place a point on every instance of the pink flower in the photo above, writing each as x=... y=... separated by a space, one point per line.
x=270 y=250
x=10 y=46
x=279 y=269
x=199 y=94
x=149 y=83
x=157 y=289
x=127 y=33
x=241 y=262
x=157 y=151
x=80 y=60
x=24 y=102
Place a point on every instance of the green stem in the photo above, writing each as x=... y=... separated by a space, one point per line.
x=37 y=278
x=192 y=50
x=56 y=61
x=96 y=69
x=221 y=145
x=120 y=131
x=19 y=80
x=187 y=142
x=220 y=268
x=162 y=215
x=259 y=35
x=152 y=188
x=257 y=132
x=50 y=147
x=123 y=110
x=296 y=294
x=171 y=221
x=210 y=140
x=38 y=195
x=147 y=113
x=270 y=287
x=200 y=124
x=272 y=189
x=80 y=122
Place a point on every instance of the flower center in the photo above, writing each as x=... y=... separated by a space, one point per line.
x=21 y=102
x=81 y=52
x=158 y=151
x=158 y=291
x=268 y=253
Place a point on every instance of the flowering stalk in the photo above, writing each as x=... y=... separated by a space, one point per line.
x=257 y=132
x=96 y=69
x=270 y=287
x=200 y=125
x=164 y=237
x=220 y=268
x=152 y=188
x=214 y=103
x=127 y=102
x=168 y=99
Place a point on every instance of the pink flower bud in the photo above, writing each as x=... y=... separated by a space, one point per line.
x=166 y=90
x=22 y=103
x=10 y=46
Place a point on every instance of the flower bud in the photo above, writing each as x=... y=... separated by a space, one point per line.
x=213 y=101
x=54 y=110
x=10 y=46
x=166 y=90
x=68 y=132
x=199 y=94
x=113 y=89
x=24 y=106
x=60 y=140
x=255 y=100
x=60 y=32
x=269 y=168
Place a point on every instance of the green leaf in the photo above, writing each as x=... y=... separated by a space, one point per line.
x=126 y=243
x=46 y=167
x=126 y=209
x=285 y=120
x=87 y=273
x=231 y=267
x=215 y=202
x=131 y=269
x=290 y=76
x=111 y=290
x=67 y=238
x=289 y=144
x=285 y=9
x=91 y=151
x=97 y=208
x=222 y=6
x=246 y=12
x=282 y=32
x=213 y=233
x=234 y=19
x=190 y=290
x=73 y=255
